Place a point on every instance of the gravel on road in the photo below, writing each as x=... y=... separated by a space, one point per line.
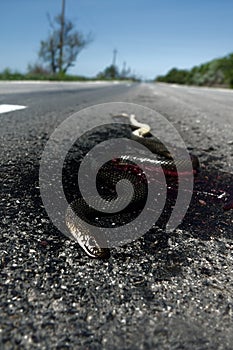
x=158 y=292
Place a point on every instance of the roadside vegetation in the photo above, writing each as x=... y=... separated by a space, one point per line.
x=58 y=53
x=37 y=72
x=218 y=72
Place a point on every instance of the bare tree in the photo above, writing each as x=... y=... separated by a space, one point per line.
x=61 y=48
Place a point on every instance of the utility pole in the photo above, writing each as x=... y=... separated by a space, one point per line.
x=62 y=36
x=114 y=57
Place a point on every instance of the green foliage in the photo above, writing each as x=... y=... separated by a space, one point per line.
x=218 y=72
x=37 y=72
x=175 y=76
x=110 y=73
x=8 y=74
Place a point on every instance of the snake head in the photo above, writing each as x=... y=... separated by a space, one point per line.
x=97 y=252
x=94 y=250
x=89 y=242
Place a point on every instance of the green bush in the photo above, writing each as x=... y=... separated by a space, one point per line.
x=214 y=73
x=7 y=74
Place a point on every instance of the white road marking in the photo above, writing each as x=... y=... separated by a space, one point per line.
x=10 y=108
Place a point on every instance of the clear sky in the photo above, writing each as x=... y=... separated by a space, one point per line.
x=151 y=36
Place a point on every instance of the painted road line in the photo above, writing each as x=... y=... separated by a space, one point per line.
x=10 y=108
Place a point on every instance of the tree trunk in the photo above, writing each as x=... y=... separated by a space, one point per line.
x=62 y=36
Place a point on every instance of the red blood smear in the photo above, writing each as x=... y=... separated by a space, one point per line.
x=136 y=169
x=229 y=205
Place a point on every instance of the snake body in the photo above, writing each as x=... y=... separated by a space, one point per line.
x=110 y=174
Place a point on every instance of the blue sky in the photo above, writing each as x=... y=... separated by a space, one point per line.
x=151 y=36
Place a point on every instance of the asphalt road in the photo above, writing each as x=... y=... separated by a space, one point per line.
x=158 y=292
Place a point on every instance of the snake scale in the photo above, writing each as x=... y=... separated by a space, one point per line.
x=110 y=174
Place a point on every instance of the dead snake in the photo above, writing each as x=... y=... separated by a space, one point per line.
x=111 y=174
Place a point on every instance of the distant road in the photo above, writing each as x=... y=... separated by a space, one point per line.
x=203 y=116
x=35 y=86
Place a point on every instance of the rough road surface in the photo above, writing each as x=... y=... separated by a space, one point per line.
x=151 y=294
